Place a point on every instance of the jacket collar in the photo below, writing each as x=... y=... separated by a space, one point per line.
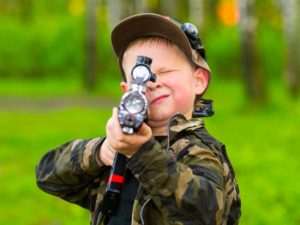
x=178 y=123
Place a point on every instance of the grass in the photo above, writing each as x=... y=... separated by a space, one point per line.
x=262 y=143
x=24 y=138
x=49 y=87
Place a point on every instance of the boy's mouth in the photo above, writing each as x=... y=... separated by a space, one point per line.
x=158 y=99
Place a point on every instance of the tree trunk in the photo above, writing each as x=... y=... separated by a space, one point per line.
x=252 y=71
x=140 y=6
x=196 y=13
x=291 y=19
x=120 y=9
x=26 y=10
x=91 y=44
x=168 y=7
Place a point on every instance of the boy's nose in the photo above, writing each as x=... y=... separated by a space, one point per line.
x=151 y=86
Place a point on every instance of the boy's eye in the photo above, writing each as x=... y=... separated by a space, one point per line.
x=166 y=72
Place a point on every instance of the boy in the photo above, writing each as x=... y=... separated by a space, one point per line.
x=176 y=172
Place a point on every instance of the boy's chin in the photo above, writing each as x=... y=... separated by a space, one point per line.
x=159 y=116
x=164 y=114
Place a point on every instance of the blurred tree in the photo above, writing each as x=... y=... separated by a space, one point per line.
x=91 y=43
x=22 y=10
x=210 y=17
x=290 y=9
x=141 y=6
x=196 y=13
x=174 y=8
x=169 y=7
x=26 y=10
x=119 y=9
x=252 y=70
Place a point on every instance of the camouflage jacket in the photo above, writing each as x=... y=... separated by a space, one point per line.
x=186 y=180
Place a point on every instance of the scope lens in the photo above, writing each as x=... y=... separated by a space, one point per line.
x=141 y=72
x=134 y=103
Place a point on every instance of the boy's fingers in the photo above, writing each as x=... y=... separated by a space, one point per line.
x=145 y=130
x=115 y=111
x=115 y=118
x=115 y=114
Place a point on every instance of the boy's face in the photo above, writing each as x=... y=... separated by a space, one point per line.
x=177 y=82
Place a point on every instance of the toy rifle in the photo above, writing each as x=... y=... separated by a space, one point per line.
x=132 y=112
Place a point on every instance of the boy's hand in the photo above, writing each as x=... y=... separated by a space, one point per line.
x=116 y=140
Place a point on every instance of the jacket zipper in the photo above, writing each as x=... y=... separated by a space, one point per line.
x=142 y=210
x=97 y=218
x=168 y=149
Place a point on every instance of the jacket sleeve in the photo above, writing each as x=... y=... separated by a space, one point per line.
x=70 y=170
x=189 y=190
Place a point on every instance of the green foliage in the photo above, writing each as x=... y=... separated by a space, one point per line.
x=41 y=87
x=272 y=51
x=55 y=87
x=45 y=48
x=21 y=201
x=223 y=51
x=46 y=39
x=262 y=144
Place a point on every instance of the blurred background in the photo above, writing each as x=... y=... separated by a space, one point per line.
x=59 y=80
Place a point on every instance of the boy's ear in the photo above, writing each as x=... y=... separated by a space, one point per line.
x=202 y=79
x=123 y=86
